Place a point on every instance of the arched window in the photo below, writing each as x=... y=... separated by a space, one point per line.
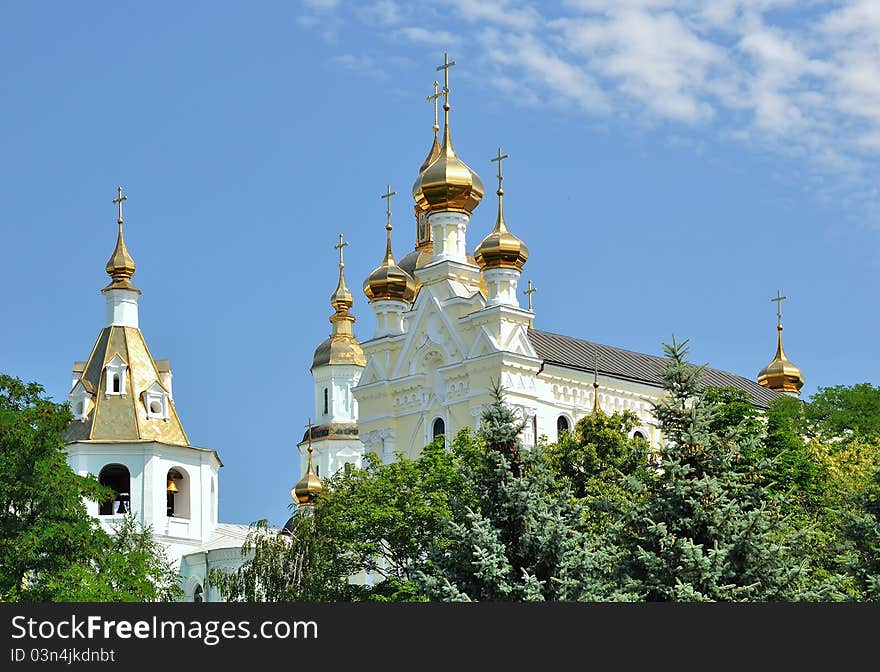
x=439 y=428
x=326 y=400
x=177 y=493
x=639 y=435
x=116 y=383
x=116 y=477
x=199 y=594
x=562 y=425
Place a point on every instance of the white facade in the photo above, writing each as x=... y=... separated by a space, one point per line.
x=148 y=465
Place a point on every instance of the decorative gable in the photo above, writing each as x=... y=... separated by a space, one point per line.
x=155 y=399
x=81 y=402
x=115 y=374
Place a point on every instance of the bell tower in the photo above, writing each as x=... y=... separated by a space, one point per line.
x=336 y=368
x=126 y=430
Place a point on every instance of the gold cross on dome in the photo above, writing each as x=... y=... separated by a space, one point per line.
x=339 y=246
x=119 y=200
x=445 y=68
x=528 y=292
x=499 y=158
x=434 y=97
x=779 y=299
x=387 y=196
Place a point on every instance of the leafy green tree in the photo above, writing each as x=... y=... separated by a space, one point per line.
x=381 y=519
x=44 y=527
x=50 y=548
x=131 y=567
x=861 y=533
x=593 y=459
x=703 y=528
x=518 y=540
x=842 y=412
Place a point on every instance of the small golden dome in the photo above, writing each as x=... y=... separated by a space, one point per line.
x=309 y=486
x=447 y=183
x=341 y=347
x=120 y=266
x=341 y=299
x=501 y=249
x=781 y=374
x=389 y=281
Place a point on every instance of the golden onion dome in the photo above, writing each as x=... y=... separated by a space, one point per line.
x=389 y=282
x=447 y=183
x=781 y=374
x=337 y=351
x=120 y=266
x=309 y=486
x=501 y=249
x=341 y=347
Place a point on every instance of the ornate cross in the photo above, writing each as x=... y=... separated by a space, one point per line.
x=499 y=158
x=387 y=195
x=531 y=290
x=341 y=244
x=445 y=68
x=779 y=299
x=434 y=97
x=119 y=200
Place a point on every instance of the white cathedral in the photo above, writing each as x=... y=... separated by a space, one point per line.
x=448 y=327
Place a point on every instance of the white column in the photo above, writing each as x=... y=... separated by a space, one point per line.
x=389 y=317
x=449 y=231
x=502 y=285
x=122 y=308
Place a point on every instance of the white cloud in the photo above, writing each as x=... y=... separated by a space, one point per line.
x=424 y=36
x=800 y=77
x=498 y=12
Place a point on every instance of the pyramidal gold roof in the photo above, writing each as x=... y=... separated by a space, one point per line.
x=124 y=417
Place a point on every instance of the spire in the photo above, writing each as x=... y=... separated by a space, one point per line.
x=342 y=347
x=389 y=256
x=595 y=383
x=435 y=146
x=307 y=488
x=341 y=299
x=120 y=267
x=781 y=374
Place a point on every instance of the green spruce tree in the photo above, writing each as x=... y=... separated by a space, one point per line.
x=517 y=539
x=702 y=527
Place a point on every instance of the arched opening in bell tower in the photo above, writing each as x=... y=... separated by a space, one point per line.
x=118 y=478
x=177 y=493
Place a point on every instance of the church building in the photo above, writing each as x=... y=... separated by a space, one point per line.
x=449 y=326
x=126 y=431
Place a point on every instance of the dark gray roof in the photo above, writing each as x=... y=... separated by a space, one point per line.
x=574 y=353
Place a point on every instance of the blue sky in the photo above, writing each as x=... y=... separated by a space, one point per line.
x=672 y=164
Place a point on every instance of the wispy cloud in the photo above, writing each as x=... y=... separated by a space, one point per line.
x=800 y=77
x=424 y=36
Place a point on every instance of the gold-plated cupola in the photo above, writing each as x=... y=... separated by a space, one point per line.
x=309 y=486
x=501 y=249
x=781 y=374
x=120 y=267
x=447 y=183
x=389 y=281
x=341 y=347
